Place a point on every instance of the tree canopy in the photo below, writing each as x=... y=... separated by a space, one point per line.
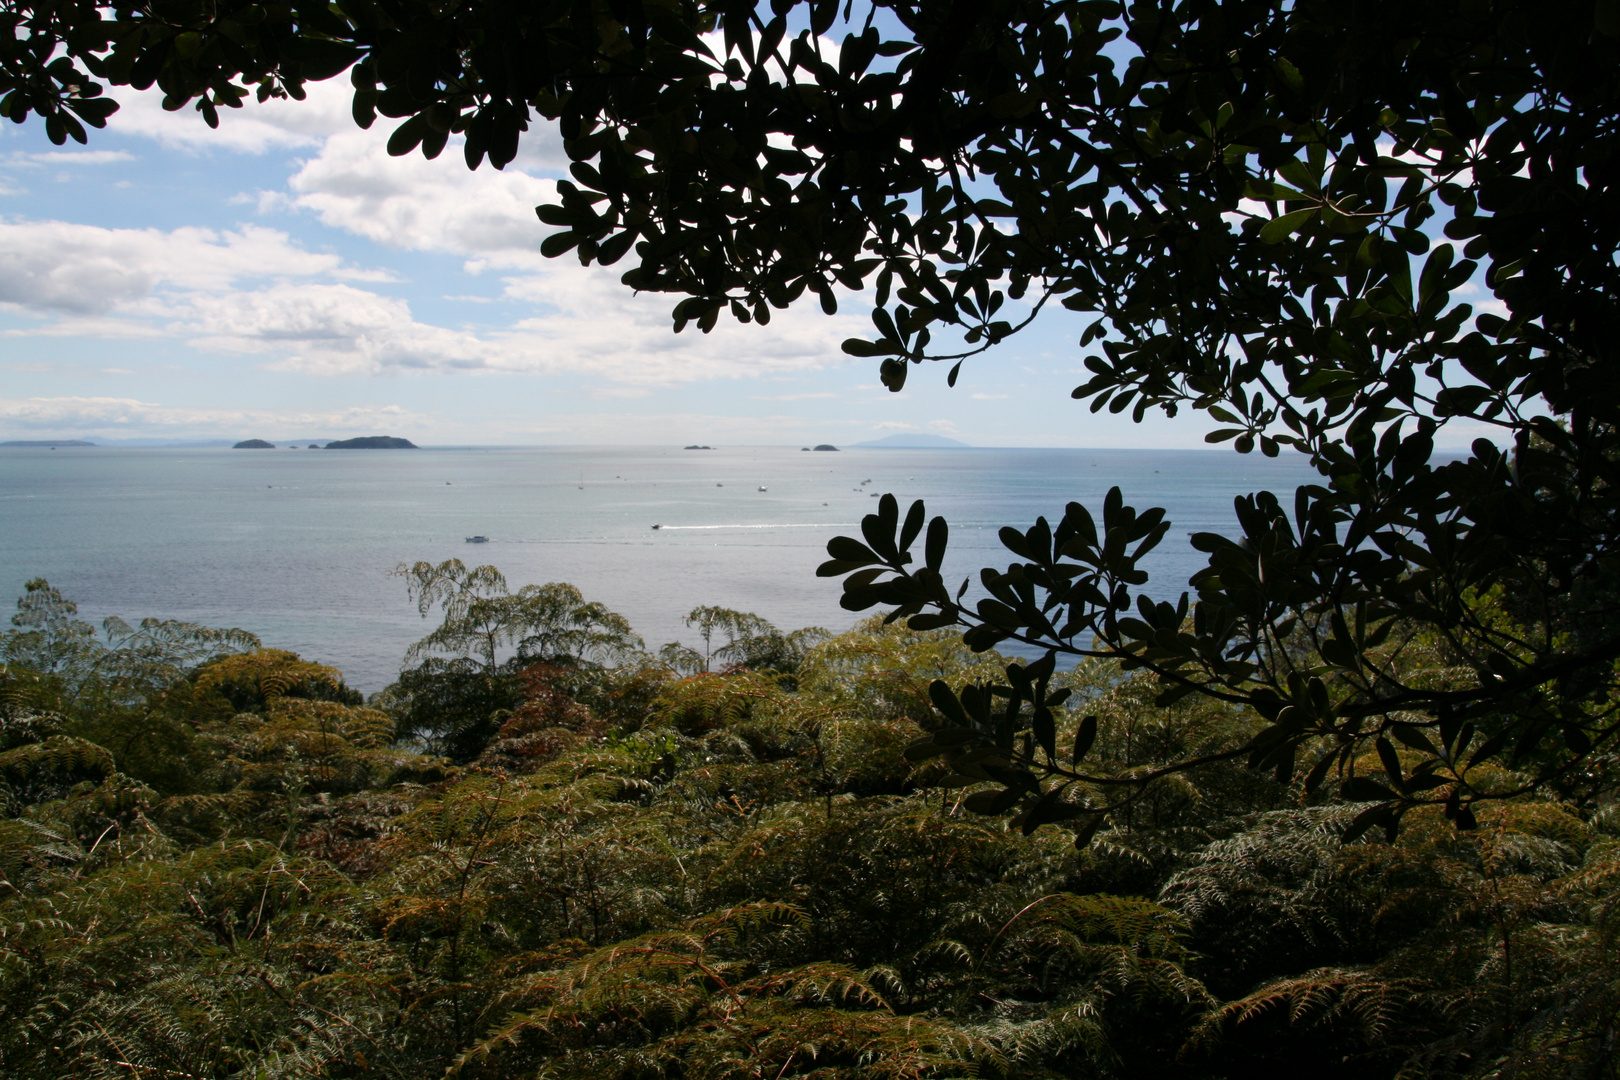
x=644 y=875
x=1342 y=229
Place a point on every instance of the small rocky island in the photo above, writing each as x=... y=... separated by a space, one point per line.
x=695 y=446
x=254 y=444
x=826 y=446
x=372 y=442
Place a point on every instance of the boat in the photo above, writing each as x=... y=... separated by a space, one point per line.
x=477 y=539
x=762 y=487
x=658 y=526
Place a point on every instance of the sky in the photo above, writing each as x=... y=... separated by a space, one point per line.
x=282 y=277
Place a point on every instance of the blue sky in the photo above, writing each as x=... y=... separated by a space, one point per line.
x=284 y=278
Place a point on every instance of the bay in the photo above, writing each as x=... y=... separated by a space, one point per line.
x=296 y=546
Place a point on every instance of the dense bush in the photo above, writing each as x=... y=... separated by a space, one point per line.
x=632 y=872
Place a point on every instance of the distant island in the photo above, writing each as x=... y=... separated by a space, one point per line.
x=372 y=442
x=254 y=444
x=822 y=446
x=695 y=446
x=914 y=442
x=52 y=443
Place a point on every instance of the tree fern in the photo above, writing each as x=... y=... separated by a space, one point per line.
x=624 y=873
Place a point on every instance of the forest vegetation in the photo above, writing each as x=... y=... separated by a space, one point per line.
x=1343 y=806
x=547 y=851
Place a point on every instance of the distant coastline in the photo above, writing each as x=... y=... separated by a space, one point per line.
x=905 y=441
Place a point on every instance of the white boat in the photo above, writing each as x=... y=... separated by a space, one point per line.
x=762 y=487
x=477 y=539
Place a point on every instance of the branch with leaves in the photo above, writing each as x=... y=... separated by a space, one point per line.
x=1295 y=625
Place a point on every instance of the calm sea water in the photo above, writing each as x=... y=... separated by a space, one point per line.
x=296 y=545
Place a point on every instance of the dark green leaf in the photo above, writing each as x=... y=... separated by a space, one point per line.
x=1084 y=736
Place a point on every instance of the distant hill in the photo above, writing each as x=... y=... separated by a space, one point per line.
x=372 y=442
x=53 y=443
x=915 y=442
x=254 y=444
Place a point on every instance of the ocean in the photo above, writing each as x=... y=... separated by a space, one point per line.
x=296 y=545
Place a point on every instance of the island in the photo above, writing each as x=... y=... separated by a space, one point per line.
x=826 y=446
x=254 y=444
x=52 y=443
x=694 y=446
x=372 y=442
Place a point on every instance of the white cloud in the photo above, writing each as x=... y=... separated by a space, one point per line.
x=597 y=326
x=606 y=393
x=252 y=129
x=106 y=328
x=60 y=267
x=412 y=203
x=114 y=417
x=279 y=124
x=71 y=157
x=601 y=327
x=197 y=284
x=326 y=329
x=672 y=428
x=253 y=291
